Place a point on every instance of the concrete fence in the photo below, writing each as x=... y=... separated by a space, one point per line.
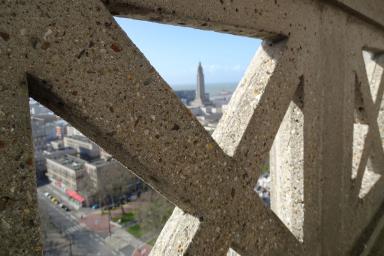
x=312 y=96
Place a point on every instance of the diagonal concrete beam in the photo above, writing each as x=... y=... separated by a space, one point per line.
x=371 y=10
x=255 y=18
x=373 y=146
x=177 y=234
x=245 y=102
x=87 y=71
x=256 y=140
x=229 y=132
x=246 y=97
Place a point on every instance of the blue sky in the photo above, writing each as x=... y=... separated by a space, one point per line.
x=175 y=51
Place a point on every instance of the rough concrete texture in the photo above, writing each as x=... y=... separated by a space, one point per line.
x=247 y=96
x=262 y=19
x=367 y=187
x=255 y=102
x=367 y=159
x=237 y=17
x=328 y=136
x=287 y=168
x=368 y=9
x=176 y=235
x=87 y=71
x=81 y=65
x=19 y=225
x=231 y=129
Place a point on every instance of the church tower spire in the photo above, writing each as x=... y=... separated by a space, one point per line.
x=200 y=85
x=201 y=99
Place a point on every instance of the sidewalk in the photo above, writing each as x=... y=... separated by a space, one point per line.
x=121 y=238
x=60 y=194
x=99 y=223
x=93 y=220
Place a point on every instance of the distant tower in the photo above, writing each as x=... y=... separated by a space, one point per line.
x=200 y=99
x=200 y=85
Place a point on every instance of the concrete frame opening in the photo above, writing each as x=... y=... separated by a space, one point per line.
x=368 y=127
x=88 y=201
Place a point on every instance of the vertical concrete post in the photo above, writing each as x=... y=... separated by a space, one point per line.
x=332 y=128
x=328 y=109
x=309 y=157
x=19 y=225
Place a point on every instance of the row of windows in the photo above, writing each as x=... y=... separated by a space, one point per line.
x=61 y=171
x=67 y=183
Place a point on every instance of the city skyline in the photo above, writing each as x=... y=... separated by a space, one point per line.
x=178 y=50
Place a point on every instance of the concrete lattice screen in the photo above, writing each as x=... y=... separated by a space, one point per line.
x=309 y=77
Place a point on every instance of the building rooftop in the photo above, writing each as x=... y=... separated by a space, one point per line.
x=78 y=137
x=45 y=117
x=50 y=151
x=71 y=162
x=99 y=162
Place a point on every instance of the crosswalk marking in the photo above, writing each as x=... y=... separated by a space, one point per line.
x=73 y=229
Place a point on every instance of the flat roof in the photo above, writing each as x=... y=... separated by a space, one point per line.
x=98 y=162
x=70 y=162
x=78 y=137
x=63 y=149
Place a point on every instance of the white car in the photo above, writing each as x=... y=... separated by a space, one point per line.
x=47 y=194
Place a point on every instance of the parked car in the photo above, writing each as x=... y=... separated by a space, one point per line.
x=132 y=197
x=64 y=207
x=47 y=194
x=95 y=206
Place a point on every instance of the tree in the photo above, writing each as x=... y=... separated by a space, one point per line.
x=153 y=215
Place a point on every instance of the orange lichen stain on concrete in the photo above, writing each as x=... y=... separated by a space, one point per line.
x=209 y=146
x=116 y=48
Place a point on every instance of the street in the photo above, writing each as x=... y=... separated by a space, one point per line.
x=77 y=239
